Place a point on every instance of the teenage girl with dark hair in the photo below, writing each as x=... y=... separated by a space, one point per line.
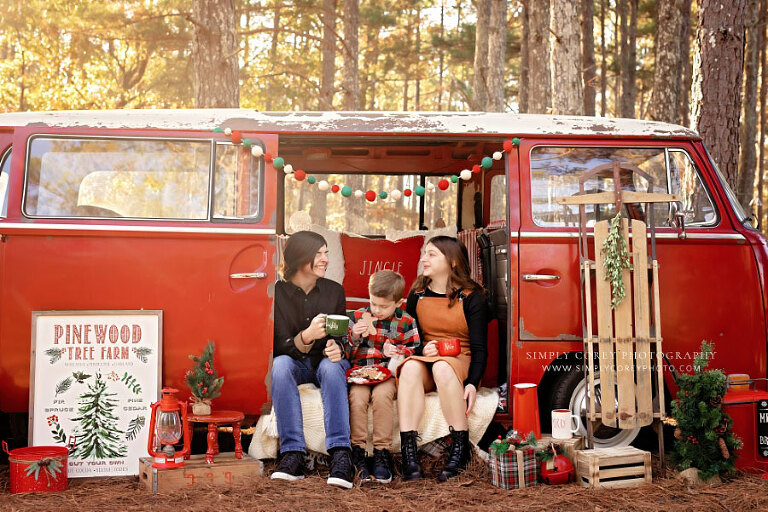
x=446 y=303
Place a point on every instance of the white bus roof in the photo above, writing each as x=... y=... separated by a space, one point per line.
x=357 y=123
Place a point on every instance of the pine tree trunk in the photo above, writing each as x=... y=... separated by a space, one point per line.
x=603 y=61
x=350 y=76
x=588 y=54
x=716 y=94
x=497 y=44
x=628 y=58
x=567 y=90
x=214 y=54
x=480 y=67
x=271 y=90
x=523 y=81
x=761 y=43
x=328 y=18
x=748 y=135
x=441 y=51
x=539 y=75
x=667 y=83
x=684 y=107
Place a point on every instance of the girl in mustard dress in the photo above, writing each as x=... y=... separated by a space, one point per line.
x=446 y=303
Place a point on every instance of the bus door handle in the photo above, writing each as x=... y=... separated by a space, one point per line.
x=539 y=277
x=249 y=275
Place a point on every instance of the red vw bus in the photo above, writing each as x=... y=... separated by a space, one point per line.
x=158 y=210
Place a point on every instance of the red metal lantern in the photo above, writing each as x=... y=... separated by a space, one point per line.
x=166 y=428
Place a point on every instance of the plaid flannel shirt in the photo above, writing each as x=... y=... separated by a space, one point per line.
x=400 y=330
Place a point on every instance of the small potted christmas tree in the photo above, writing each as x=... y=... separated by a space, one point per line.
x=703 y=438
x=203 y=381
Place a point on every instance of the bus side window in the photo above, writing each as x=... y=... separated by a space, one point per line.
x=5 y=171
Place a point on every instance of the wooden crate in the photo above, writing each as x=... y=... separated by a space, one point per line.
x=570 y=446
x=613 y=467
x=225 y=470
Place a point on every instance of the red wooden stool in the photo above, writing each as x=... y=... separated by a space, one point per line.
x=216 y=418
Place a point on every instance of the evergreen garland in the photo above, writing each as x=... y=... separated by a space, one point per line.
x=704 y=438
x=203 y=379
x=616 y=260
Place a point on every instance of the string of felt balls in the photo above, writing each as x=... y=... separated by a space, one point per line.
x=299 y=175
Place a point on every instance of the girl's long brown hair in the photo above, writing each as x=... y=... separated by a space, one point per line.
x=458 y=258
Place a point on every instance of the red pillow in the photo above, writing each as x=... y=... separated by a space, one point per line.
x=366 y=256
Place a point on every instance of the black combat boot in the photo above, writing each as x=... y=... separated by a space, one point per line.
x=411 y=469
x=459 y=456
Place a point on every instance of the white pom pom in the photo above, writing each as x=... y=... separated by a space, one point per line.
x=395 y=195
x=257 y=151
x=497 y=155
x=358 y=193
x=466 y=174
x=323 y=185
x=430 y=186
x=287 y=168
x=227 y=131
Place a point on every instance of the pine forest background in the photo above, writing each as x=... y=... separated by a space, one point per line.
x=699 y=63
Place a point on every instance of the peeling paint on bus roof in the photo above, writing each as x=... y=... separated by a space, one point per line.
x=476 y=123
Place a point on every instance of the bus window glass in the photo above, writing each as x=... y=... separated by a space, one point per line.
x=696 y=203
x=237 y=184
x=498 y=198
x=132 y=178
x=5 y=172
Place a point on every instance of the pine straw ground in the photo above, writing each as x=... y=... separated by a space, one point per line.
x=471 y=491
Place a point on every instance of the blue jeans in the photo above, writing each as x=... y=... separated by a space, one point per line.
x=287 y=374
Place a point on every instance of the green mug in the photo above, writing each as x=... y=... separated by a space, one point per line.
x=337 y=325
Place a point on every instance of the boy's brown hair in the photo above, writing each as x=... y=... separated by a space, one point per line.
x=386 y=284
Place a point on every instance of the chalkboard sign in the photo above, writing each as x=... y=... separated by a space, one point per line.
x=762 y=427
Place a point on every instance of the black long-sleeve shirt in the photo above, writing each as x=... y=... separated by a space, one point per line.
x=477 y=316
x=294 y=311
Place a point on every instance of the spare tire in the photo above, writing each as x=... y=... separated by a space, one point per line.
x=569 y=391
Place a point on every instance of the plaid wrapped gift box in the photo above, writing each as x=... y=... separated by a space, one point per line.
x=514 y=469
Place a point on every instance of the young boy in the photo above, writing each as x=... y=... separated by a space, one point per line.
x=396 y=336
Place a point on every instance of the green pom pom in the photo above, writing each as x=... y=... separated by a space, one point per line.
x=487 y=162
x=455 y=179
x=278 y=162
x=383 y=194
x=419 y=191
x=516 y=141
x=218 y=129
x=247 y=143
x=346 y=191
x=311 y=180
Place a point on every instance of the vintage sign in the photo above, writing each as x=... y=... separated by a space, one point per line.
x=94 y=376
x=762 y=427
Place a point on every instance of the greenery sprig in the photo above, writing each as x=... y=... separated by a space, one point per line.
x=513 y=441
x=616 y=260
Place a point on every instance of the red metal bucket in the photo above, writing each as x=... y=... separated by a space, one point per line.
x=38 y=468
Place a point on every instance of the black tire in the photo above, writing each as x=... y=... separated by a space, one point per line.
x=567 y=389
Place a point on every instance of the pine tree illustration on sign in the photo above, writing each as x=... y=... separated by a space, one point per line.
x=97 y=434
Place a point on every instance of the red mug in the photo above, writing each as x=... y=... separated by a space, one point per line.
x=449 y=348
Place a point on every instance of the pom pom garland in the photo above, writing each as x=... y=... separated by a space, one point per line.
x=443 y=184
x=218 y=129
x=278 y=162
x=334 y=188
x=466 y=174
x=486 y=162
x=227 y=131
x=396 y=195
x=311 y=180
x=454 y=179
x=323 y=185
x=383 y=194
x=288 y=169
x=268 y=158
x=358 y=193
x=346 y=191
x=476 y=168
x=516 y=141
x=407 y=192
x=497 y=155
x=508 y=146
x=299 y=175
x=257 y=151
x=419 y=190
x=430 y=186
x=370 y=195
x=247 y=143
x=237 y=137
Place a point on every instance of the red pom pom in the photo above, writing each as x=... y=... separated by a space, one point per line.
x=300 y=175
x=443 y=185
x=334 y=188
x=476 y=168
x=237 y=137
x=268 y=158
x=508 y=145
x=370 y=195
x=407 y=192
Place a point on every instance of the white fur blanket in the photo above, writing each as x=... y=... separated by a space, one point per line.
x=265 y=442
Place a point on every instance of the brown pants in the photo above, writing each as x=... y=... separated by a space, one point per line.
x=382 y=397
